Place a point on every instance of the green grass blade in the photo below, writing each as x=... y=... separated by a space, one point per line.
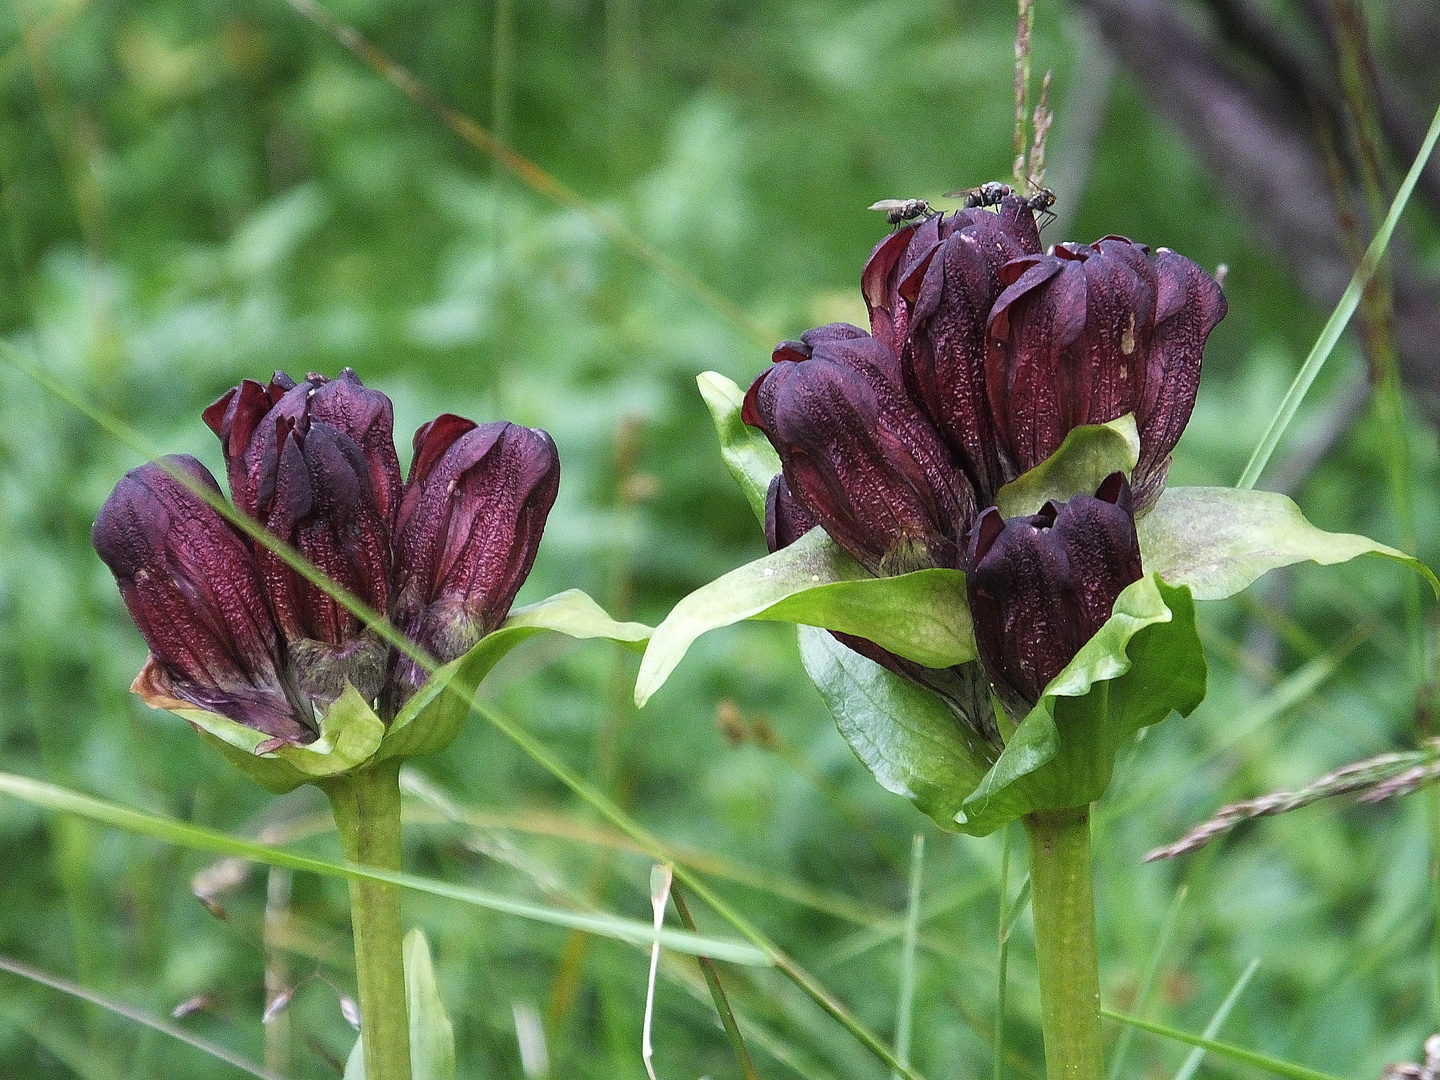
x=442 y=805
x=1148 y=983
x=695 y=885
x=119 y=1008
x=1274 y=1066
x=1339 y=318
x=1003 y=954
x=531 y=174
x=904 y=1013
x=170 y=831
x=1192 y=1063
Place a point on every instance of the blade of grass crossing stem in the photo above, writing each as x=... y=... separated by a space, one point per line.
x=66 y=1047
x=905 y=1010
x=717 y=991
x=1148 y=982
x=743 y=926
x=170 y=831
x=1339 y=318
x=1017 y=906
x=1192 y=1063
x=529 y=173
x=1274 y=1066
x=1003 y=957
x=661 y=877
x=443 y=806
x=119 y=1008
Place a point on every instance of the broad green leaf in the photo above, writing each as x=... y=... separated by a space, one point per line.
x=1217 y=540
x=748 y=454
x=433 y=717
x=432 y=1039
x=905 y=735
x=1144 y=663
x=1087 y=456
x=350 y=733
x=922 y=616
x=170 y=831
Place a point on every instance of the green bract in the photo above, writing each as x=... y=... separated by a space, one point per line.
x=922 y=616
x=1145 y=661
x=352 y=735
x=1219 y=540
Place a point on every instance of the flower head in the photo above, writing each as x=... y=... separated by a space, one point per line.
x=234 y=629
x=1091 y=332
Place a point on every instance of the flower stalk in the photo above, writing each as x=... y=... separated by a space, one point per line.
x=366 y=805
x=1063 y=898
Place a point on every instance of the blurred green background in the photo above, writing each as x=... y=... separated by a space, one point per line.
x=197 y=192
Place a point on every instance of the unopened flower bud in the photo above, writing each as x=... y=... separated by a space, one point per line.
x=1041 y=586
x=469 y=525
x=857 y=454
x=1090 y=332
x=190 y=582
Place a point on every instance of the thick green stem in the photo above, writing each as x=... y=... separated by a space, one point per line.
x=1063 y=899
x=367 y=813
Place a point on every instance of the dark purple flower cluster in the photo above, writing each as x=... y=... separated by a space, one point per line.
x=984 y=352
x=233 y=629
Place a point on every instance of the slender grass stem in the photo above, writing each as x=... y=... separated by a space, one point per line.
x=1063 y=898
x=367 y=813
x=717 y=991
x=1002 y=962
x=905 y=1011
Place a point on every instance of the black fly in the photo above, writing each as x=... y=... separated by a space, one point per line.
x=898 y=211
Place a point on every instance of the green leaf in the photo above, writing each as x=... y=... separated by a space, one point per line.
x=170 y=831
x=748 y=454
x=923 y=616
x=1087 y=456
x=1217 y=540
x=1144 y=663
x=905 y=735
x=432 y=1039
x=433 y=717
x=350 y=733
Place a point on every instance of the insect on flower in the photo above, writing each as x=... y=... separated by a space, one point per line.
x=899 y=211
x=1040 y=203
x=990 y=193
